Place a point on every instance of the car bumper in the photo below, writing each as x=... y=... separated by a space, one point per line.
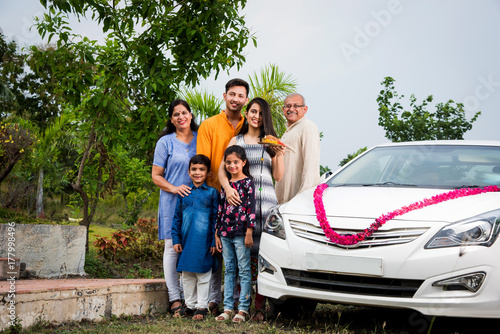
x=407 y=262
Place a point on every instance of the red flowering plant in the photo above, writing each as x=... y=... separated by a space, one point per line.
x=138 y=242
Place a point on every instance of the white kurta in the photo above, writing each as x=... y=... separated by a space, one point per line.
x=301 y=159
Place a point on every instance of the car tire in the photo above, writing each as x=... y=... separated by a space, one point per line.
x=293 y=307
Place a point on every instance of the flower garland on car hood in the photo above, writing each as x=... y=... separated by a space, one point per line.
x=353 y=239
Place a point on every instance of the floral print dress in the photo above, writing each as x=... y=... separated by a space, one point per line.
x=232 y=220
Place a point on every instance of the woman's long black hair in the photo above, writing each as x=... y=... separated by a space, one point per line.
x=241 y=154
x=171 y=127
x=267 y=127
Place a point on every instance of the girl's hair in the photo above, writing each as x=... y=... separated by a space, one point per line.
x=171 y=127
x=267 y=127
x=241 y=154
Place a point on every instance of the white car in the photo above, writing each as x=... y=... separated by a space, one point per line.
x=426 y=217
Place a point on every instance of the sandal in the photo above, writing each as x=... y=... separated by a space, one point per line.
x=259 y=315
x=240 y=317
x=224 y=315
x=198 y=312
x=176 y=311
x=186 y=312
x=213 y=308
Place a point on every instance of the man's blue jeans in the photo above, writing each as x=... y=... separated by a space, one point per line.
x=234 y=251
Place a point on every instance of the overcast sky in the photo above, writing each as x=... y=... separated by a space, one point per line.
x=339 y=51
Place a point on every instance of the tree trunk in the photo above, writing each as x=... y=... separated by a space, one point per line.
x=39 y=194
x=7 y=168
x=89 y=209
x=86 y=218
x=79 y=188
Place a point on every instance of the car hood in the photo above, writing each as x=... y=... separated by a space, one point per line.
x=372 y=202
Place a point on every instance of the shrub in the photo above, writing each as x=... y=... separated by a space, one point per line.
x=95 y=267
x=138 y=242
x=149 y=245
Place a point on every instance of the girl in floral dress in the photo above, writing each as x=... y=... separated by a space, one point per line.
x=233 y=235
x=266 y=163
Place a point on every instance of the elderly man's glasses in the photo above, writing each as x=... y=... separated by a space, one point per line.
x=294 y=106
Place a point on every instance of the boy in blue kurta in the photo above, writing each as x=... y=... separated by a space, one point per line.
x=193 y=230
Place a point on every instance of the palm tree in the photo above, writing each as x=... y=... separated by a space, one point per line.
x=203 y=104
x=273 y=86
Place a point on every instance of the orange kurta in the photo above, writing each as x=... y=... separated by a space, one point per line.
x=214 y=134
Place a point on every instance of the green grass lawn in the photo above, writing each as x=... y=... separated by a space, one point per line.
x=335 y=319
x=98 y=230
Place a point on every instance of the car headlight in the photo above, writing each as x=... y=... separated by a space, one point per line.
x=481 y=230
x=274 y=224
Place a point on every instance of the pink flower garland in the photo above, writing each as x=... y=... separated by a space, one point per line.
x=353 y=239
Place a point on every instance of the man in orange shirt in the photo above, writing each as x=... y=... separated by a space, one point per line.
x=214 y=135
x=215 y=132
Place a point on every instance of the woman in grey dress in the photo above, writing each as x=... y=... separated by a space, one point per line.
x=266 y=163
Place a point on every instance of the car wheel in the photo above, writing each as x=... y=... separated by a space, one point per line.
x=293 y=307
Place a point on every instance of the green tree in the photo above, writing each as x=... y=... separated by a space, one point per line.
x=49 y=152
x=449 y=121
x=28 y=95
x=39 y=100
x=11 y=73
x=134 y=180
x=5 y=93
x=119 y=91
x=152 y=48
x=352 y=156
x=16 y=139
x=25 y=92
x=324 y=169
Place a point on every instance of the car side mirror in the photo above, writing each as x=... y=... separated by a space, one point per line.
x=325 y=176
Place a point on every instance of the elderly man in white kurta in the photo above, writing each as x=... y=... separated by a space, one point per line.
x=302 y=153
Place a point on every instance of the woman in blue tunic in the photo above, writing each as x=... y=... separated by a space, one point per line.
x=176 y=145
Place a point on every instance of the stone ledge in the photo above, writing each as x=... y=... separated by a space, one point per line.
x=49 y=251
x=58 y=301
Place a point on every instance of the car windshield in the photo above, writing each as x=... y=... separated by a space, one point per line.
x=435 y=166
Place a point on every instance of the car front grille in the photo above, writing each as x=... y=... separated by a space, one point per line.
x=379 y=238
x=359 y=285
